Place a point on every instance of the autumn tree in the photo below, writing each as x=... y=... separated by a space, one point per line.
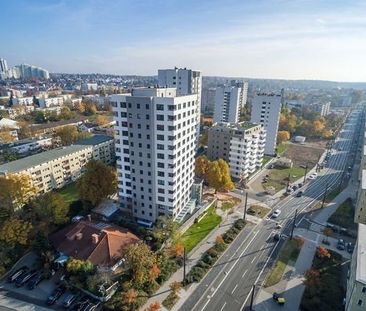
x=201 y=167
x=65 y=113
x=155 y=306
x=97 y=183
x=219 y=240
x=283 y=136
x=15 y=231
x=322 y=252
x=6 y=135
x=80 y=107
x=90 y=109
x=15 y=191
x=51 y=208
x=140 y=259
x=226 y=182
x=177 y=250
x=67 y=134
x=327 y=232
x=25 y=130
x=154 y=272
x=129 y=298
x=101 y=120
x=214 y=175
x=77 y=266
x=312 y=277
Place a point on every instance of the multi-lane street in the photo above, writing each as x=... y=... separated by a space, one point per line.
x=229 y=284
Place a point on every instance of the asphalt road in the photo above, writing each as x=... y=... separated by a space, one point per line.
x=229 y=284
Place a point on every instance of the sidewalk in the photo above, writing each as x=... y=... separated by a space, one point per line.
x=192 y=259
x=291 y=284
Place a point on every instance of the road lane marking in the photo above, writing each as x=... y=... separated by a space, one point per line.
x=254 y=259
x=234 y=289
x=228 y=272
x=222 y=308
x=245 y=272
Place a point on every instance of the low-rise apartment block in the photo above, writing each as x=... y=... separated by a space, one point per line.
x=240 y=144
x=55 y=168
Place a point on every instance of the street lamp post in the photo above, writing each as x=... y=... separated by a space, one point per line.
x=306 y=171
x=252 y=298
x=184 y=266
x=245 y=205
x=325 y=195
x=293 y=225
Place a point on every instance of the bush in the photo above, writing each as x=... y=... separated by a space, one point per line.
x=170 y=301
x=239 y=224
x=220 y=247
x=213 y=252
x=203 y=265
x=195 y=275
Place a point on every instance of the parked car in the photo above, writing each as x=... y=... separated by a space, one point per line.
x=341 y=245
x=299 y=185
x=313 y=176
x=34 y=281
x=276 y=213
x=17 y=273
x=24 y=278
x=294 y=187
x=299 y=194
x=277 y=236
x=56 y=294
x=350 y=247
x=278 y=298
x=70 y=299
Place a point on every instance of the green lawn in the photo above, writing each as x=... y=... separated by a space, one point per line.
x=278 y=177
x=328 y=293
x=227 y=206
x=289 y=252
x=69 y=193
x=258 y=210
x=265 y=160
x=281 y=148
x=198 y=231
x=344 y=215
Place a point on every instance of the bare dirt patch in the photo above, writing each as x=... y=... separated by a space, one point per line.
x=303 y=155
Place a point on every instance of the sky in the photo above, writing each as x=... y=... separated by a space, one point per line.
x=280 y=39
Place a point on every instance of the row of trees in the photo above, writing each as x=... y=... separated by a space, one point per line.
x=215 y=173
x=306 y=123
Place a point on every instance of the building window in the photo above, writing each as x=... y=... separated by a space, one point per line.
x=359 y=302
x=364 y=290
x=160 y=107
x=160 y=117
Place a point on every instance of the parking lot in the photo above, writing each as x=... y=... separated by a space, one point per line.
x=37 y=296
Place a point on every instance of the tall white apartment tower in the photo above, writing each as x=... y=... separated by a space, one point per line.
x=227 y=104
x=266 y=109
x=243 y=93
x=3 y=65
x=155 y=148
x=187 y=82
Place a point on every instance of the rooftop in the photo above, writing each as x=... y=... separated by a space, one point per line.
x=94 y=140
x=38 y=159
x=236 y=126
x=361 y=254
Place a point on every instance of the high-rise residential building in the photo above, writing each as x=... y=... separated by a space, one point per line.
x=266 y=109
x=322 y=108
x=29 y=72
x=227 y=104
x=3 y=65
x=208 y=100
x=155 y=148
x=187 y=82
x=241 y=145
x=243 y=93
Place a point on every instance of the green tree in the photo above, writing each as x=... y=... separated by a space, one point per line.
x=78 y=267
x=9 y=155
x=98 y=182
x=67 y=134
x=65 y=113
x=165 y=228
x=15 y=231
x=5 y=135
x=51 y=208
x=40 y=117
x=140 y=259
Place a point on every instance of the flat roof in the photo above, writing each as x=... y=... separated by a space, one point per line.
x=361 y=254
x=94 y=140
x=38 y=159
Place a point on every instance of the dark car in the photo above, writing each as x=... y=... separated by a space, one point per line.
x=277 y=236
x=341 y=245
x=34 y=281
x=17 y=273
x=56 y=294
x=299 y=194
x=300 y=185
x=22 y=279
x=70 y=299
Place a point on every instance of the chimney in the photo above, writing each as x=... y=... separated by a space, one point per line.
x=78 y=236
x=95 y=238
x=88 y=217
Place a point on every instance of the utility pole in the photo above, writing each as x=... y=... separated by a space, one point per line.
x=306 y=171
x=252 y=298
x=245 y=206
x=184 y=266
x=288 y=181
x=325 y=195
x=293 y=225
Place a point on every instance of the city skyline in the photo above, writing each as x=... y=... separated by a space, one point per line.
x=265 y=39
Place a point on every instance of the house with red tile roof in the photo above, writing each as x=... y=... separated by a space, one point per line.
x=102 y=244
